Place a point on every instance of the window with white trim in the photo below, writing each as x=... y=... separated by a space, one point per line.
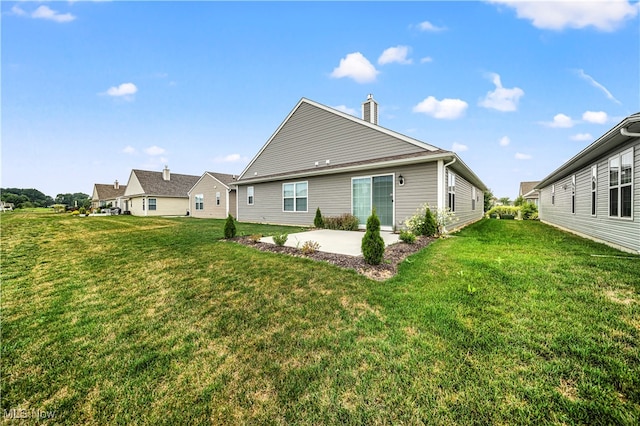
x=217 y=198
x=143 y=204
x=621 y=184
x=199 y=201
x=451 y=202
x=594 y=189
x=553 y=194
x=473 y=198
x=152 y=204
x=294 y=197
x=573 y=194
x=250 y=195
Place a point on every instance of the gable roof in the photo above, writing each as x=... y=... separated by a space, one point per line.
x=611 y=140
x=323 y=133
x=152 y=183
x=108 y=192
x=225 y=179
x=527 y=187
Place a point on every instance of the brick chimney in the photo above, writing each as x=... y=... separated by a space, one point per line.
x=166 y=174
x=370 y=110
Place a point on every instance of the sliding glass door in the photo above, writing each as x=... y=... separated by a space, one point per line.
x=373 y=192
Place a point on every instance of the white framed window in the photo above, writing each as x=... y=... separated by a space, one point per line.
x=217 y=198
x=573 y=194
x=451 y=184
x=143 y=204
x=621 y=184
x=199 y=201
x=152 y=204
x=294 y=197
x=594 y=189
x=553 y=194
x=250 y=195
x=473 y=198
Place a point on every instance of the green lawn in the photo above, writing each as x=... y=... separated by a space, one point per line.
x=121 y=320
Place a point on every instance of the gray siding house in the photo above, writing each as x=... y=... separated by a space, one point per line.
x=322 y=157
x=596 y=194
x=213 y=196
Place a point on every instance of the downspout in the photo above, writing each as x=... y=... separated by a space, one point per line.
x=625 y=132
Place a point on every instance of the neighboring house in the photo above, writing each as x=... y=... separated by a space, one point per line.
x=158 y=193
x=213 y=196
x=6 y=207
x=108 y=195
x=596 y=194
x=322 y=157
x=529 y=192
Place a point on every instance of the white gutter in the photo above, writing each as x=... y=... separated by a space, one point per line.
x=625 y=132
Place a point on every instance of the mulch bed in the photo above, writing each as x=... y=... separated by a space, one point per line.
x=393 y=255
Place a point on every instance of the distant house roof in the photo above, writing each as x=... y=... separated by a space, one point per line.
x=226 y=179
x=109 y=191
x=603 y=145
x=152 y=183
x=527 y=187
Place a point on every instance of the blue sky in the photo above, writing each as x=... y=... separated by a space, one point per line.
x=91 y=90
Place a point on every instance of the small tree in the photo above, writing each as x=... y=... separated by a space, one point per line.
x=317 y=222
x=430 y=227
x=372 y=243
x=229 y=227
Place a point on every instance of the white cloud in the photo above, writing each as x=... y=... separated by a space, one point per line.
x=231 y=158
x=129 y=150
x=155 y=150
x=597 y=85
x=597 y=117
x=395 y=54
x=521 y=156
x=426 y=59
x=44 y=12
x=357 y=67
x=502 y=99
x=125 y=89
x=505 y=141
x=18 y=11
x=428 y=26
x=346 y=109
x=458 y=147
x=448 y=109
x=560 y=121
x=580 y=137
x=604 y=15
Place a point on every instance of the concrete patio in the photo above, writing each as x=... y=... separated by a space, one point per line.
x=332 y=241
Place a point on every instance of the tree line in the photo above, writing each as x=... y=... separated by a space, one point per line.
x=30 y=197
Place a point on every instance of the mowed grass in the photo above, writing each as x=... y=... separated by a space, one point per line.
x=125 y=320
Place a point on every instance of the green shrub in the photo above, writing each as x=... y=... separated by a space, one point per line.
x=528 y=210
x=430 y=227
x=507 y=216
x=372 y=243
x=344 y=222
x=280 y=239
x=317 y=221
x=407 y=237
x=423 y=222
x=75 y=213
x=82 y=210
x=503 y=210
x=229 y=227
x=255 y=238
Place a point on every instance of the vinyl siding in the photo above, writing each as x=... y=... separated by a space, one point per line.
x=332 y=194
x=208 y=186
x=165 y=206
x=133 y=186
x=464 y=214
x=621 y=233
x=312 y=134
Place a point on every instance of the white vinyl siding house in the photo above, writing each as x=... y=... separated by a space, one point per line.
x=596 y=194
x=323 y=158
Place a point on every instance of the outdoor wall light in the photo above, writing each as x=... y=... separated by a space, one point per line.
x=400 y=180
